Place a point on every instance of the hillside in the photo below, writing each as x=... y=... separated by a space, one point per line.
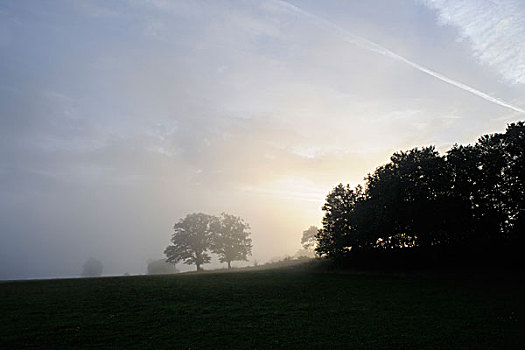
x=265 y=309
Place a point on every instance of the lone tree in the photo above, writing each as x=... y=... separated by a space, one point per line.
x=191 y=240
x=92 y=268
x=308 y=240
x=230 y=239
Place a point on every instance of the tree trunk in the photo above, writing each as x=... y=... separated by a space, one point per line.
x=229 y=265
x=198 y=267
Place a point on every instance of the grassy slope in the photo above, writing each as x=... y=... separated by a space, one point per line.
x=263 y=309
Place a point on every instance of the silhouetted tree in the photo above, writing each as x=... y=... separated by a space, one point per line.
x=465 y=172
x=230 y=239
x=335 y=238
x=488 y=179
x=161 y=267
x=308 y=239
x=92 y=268
x=410 y=190
x=514 y=176
x=191 y=239
x=470 y=201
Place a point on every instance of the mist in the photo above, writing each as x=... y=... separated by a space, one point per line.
x=119 y=118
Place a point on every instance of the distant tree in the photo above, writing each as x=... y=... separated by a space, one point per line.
x=191 y=239
x=308 y=240
x=304 y=253
x=230 y=239
x=92 y=268
x=161 y=267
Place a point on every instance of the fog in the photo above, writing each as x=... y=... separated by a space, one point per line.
x=119 y=118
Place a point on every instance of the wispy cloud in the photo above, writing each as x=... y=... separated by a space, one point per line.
x=374 y=47
x=495 y=30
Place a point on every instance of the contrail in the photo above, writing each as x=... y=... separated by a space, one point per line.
x=371 y=46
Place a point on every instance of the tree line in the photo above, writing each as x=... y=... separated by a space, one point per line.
x=197 y=235
x=469 y=202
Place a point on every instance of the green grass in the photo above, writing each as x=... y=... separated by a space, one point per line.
x=263 y=310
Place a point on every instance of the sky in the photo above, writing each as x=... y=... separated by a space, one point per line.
x=118 y=118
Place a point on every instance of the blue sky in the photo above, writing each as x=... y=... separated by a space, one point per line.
x=117 y=118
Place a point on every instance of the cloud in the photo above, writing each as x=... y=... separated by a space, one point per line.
x=494 y=29
x=381 y=50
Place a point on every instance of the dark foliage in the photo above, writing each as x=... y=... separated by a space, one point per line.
x=466 y=205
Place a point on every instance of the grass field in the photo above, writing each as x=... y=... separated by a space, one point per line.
x=264 y=309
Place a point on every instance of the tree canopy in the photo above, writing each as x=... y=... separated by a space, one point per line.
x=191 y=240
x=470 y=199
x=199 y=234
x=230 y=239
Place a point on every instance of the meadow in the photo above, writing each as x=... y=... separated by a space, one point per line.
x=266 y=309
